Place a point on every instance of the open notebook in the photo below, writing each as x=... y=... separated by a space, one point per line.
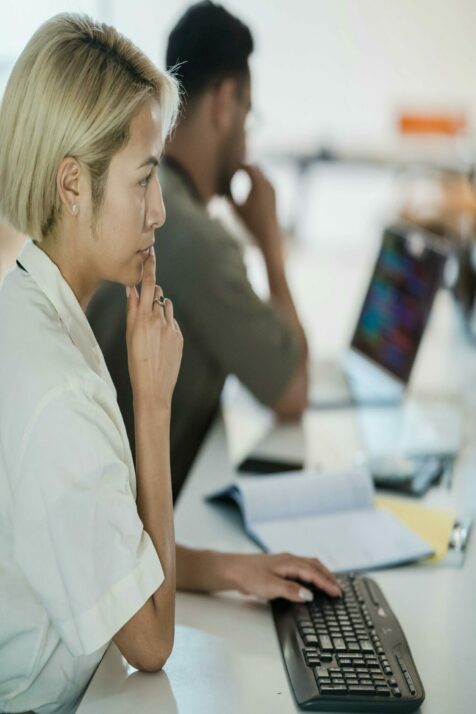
x=328 y=515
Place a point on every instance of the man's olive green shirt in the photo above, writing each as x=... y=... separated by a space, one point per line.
x=227 y=329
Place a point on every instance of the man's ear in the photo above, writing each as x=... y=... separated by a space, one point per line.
x=224 y=104
x=68 y=184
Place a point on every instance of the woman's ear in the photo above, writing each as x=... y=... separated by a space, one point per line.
x=68 y=184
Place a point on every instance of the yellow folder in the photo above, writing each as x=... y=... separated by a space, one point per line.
x=434 y=525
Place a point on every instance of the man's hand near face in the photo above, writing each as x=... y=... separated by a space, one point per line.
x=258 y=212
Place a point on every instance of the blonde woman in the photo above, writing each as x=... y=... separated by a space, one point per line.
x=87 y=549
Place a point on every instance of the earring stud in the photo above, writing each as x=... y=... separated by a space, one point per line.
x=74 y=208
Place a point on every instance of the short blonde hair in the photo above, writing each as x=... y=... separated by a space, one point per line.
x=73 y=92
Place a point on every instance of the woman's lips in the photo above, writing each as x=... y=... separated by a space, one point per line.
x=144 y=254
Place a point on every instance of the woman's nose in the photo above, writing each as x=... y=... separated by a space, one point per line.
x=156 y=209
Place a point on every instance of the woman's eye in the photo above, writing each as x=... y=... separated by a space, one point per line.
x=145 y=180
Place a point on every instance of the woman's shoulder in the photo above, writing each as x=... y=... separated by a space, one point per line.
x=38 y=357
x=34 y=343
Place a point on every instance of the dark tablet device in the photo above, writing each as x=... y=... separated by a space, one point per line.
x=261 y=465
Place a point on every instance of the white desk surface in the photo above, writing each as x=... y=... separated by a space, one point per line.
x=226 y=657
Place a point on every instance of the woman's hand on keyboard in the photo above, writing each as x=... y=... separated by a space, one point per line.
x=281 y=575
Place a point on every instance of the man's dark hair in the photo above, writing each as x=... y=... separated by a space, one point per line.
x=207 y=45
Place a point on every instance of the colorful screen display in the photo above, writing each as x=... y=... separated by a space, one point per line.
x=398 y=302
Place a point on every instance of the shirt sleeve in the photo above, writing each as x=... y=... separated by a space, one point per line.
x=243 y=334
x=78 y=537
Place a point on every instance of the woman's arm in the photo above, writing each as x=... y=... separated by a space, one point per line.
x=154 y=345
x=265 y=575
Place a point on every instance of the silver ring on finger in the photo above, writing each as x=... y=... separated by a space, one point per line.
x=161 y=300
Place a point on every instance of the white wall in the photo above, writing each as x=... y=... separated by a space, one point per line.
x=326 y=71
x=340 y=70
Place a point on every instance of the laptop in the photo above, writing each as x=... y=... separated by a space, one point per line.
x=376 y=368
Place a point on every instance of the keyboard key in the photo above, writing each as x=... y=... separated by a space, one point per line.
x=320 y=672
x=366 y=646
x=339 y=644
x=338 y=689
x=325 y=643
x=402 y=664
x=361 y=689
x=310 y=639
x=382 y=692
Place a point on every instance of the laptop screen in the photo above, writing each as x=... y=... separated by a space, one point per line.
x=406 y=277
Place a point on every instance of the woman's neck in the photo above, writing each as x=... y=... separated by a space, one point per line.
x=72 y=267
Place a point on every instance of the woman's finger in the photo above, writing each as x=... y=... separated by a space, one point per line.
x=169 y=311
x=158 y=303
x=280 y=587
x=293 y=567
x=147 y=292
x=132 y=305
x=319 y=564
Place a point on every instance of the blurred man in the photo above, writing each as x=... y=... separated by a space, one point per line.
x=227 y=329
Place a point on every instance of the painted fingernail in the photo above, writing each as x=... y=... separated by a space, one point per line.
x=128 y=291
x=152 y=250
x=305 y=595
x=336 y=589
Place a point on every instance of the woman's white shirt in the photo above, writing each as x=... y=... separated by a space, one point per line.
x=75 y=561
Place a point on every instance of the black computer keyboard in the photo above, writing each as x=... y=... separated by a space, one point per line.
x=348 y=654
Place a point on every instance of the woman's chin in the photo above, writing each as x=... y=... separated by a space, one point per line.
x=131 y=274
x=136 y=274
